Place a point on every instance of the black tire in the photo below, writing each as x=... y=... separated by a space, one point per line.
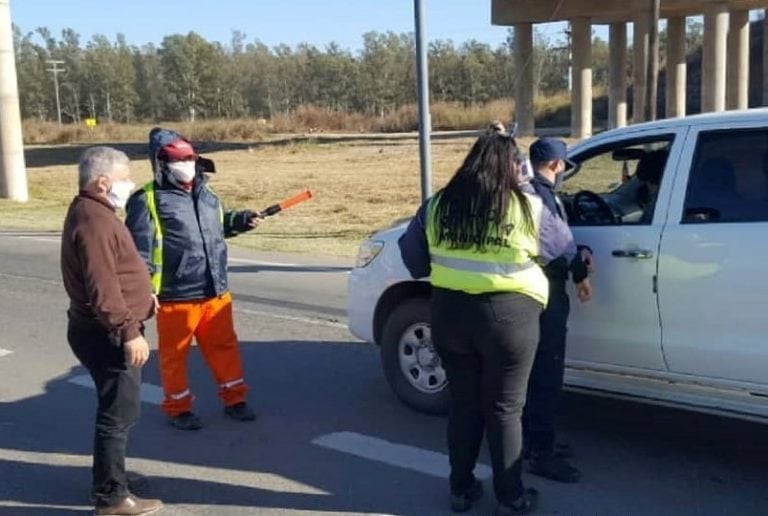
x=405 y=316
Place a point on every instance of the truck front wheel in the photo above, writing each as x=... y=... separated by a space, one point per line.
x=411 y=365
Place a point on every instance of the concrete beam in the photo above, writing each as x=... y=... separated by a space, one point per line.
x=713 y=71
x=737 y=89
x=617 y=95
x=13 y=173
x=676 y=68
x=524 y=90
x=581 y=95
x=640 y=49
x=512 y=12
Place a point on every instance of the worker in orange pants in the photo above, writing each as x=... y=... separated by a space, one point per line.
x=210 y=322
x=179 y=225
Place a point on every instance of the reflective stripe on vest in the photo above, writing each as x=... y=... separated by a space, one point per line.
x=509 y=267
x=157 y=245
x=482 y=267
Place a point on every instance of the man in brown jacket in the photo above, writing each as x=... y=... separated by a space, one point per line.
x=110 y=297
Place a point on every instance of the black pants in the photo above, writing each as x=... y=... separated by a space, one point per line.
x=487 y=344
x=117 y=390
x=546 y=380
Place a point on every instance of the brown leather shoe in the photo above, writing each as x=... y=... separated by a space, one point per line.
x=130 y=506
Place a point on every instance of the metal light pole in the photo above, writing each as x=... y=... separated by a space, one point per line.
x=13 y=174
x=56 y=71
x=568 y=35
x=425 y=123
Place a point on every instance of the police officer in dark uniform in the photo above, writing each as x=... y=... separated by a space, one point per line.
x=546 y=458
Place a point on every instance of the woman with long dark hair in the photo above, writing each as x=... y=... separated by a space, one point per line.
x=482 y=241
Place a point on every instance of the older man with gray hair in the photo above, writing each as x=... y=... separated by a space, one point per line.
x=110 y=297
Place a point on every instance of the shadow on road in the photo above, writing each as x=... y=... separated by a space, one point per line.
x=299 y=392
x=305 y=389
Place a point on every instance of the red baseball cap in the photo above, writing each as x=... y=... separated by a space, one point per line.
x=177 y=150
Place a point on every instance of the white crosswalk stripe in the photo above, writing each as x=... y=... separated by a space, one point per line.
x=393 y=454
x=4 y=352
x=149 y=393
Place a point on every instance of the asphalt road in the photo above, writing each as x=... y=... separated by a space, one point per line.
x=330 y=438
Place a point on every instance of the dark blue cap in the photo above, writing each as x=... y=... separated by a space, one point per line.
x=548 y=149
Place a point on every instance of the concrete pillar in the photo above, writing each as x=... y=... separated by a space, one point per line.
x=737 y=89
x=581 y=95
x=676 y=68
x=641 y=33
x=617 y=96
x=713 y=72
x=524 y=83
x=13 y=175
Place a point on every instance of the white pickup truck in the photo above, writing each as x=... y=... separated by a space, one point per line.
x=676 y=213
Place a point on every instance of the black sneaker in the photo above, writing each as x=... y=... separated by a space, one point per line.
x=554 y=468
x=240 y=412
x=523 y=505
x=462 y=502
x=186 y=421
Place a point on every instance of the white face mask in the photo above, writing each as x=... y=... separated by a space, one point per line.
x=183 y=171
x=119 y=193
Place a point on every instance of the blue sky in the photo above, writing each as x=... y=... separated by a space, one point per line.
x=272 y=21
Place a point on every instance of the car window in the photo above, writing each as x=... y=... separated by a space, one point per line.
x=729 y=178
x=627 y=175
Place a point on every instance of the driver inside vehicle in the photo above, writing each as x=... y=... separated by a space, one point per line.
x=649 y=171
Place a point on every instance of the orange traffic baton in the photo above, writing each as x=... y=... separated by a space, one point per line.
x=286 y=203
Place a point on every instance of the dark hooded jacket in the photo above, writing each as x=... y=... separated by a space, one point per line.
x=193 y=228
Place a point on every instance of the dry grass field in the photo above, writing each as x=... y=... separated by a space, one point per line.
x=360 y=185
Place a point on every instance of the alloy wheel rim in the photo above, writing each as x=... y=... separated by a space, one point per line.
x=419 y=361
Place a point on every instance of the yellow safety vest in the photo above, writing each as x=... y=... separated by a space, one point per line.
x=508 y=267
x=156 y=256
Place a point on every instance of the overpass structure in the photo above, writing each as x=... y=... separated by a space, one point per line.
x=725 y=61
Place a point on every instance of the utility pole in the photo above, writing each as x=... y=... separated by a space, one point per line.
x=569 y=46
x=56 y=71
x=652 y=92
x=13 y=174
x=425 y=123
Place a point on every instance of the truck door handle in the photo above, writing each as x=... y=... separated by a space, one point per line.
x=637 y=254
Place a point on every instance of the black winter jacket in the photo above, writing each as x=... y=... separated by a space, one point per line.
x=194 y=251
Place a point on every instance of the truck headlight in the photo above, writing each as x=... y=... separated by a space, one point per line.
x=367 y=252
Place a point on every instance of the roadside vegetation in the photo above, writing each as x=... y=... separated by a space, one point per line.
x=359 y=186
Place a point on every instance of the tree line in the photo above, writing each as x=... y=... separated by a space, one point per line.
x=186 y=77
